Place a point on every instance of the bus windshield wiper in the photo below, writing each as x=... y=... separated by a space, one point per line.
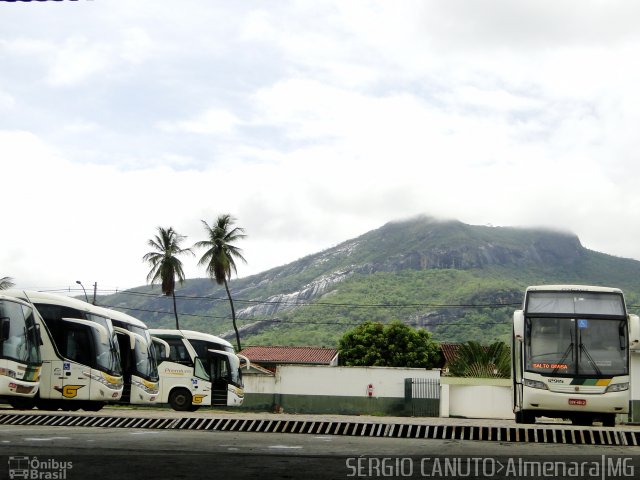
x=565 y=355
x=591 y=361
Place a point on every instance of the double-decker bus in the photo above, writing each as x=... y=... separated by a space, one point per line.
x=20 y=359
x=571 y=354
x=80 y=354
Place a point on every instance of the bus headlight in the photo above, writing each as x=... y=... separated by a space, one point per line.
x=617 y=387
x=9 y=373
x=535 y=384
x=151 y=388
x=111 y=382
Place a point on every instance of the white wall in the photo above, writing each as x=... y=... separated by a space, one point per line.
x=259 y=384
x=348 y=381
x=471 y=398
x=476 y=401
x=336 y=381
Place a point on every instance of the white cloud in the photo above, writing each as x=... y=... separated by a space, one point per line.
x=77 y=60
x=311 y=122
x=212 y=121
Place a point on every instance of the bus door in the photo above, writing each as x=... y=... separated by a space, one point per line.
x=226 y=378
x=517 y=338
x=220 y=373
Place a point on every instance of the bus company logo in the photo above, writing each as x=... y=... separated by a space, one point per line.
x=197 y=399
x=69 y=391
x=34 y=468
x=175 y=371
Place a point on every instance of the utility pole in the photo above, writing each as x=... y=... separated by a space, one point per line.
x=95 y=290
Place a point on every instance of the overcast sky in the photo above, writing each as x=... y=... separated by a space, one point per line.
x=312 y=122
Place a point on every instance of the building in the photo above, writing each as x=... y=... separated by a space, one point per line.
x=269 y=357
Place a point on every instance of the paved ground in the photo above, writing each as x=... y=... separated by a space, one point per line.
x=155 y=412
x=129 y=453
x=123 y=453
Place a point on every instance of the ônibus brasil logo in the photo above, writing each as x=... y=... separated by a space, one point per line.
x=34 y=468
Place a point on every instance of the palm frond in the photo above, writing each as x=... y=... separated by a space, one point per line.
x=165 y=266
x=476 y=360
x=6 y=283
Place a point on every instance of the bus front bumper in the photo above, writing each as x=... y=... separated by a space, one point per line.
x=611 y=402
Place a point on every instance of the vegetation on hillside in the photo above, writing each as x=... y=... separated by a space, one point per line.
x=458 y=281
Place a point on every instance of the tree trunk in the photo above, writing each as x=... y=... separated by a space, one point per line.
x=233 y=314
x=175 y=310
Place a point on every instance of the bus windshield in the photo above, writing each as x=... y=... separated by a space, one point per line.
x=236 y=375
x=593 y=347
x=571 y=303
x=224 y=366
x=145 y=361
x=22 y=342
x=107 y=354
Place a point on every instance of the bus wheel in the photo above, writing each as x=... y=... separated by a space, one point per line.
x=582 y=420
x=609 y=420
x=180 y=400
x=22 y=403
x=92 y=406
x=525 y=416
x=49 y=405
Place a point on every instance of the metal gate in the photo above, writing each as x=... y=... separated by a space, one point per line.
x=422 y=396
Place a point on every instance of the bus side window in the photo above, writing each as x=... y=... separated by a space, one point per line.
x=78 y=346
x=178 y=352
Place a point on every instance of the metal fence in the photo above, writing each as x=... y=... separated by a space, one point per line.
x=422 y=396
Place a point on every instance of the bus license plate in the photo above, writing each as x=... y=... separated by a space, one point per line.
x=577 y=401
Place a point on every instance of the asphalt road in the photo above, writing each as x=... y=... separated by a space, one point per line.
x=101 y=453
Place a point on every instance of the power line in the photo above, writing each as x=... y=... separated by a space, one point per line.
x=326 y=304
x=293 y=322
x=303 y=303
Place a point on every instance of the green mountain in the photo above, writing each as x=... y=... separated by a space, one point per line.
x=462 y=282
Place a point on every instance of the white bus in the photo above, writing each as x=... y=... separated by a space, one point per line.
x=223 y=365
x=570 y=354
x=20 y=360
x=184 y=381
x=80 y=354
x=138 y=359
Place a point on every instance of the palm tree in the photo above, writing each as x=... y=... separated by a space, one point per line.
x=220 y=255
x=165 y=265
x=6 y=283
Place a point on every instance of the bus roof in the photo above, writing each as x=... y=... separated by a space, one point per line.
x=123 y=317
x=572 y=288
x=11 y=298
x=190 y=335
x=53 y=298
x=193 y=335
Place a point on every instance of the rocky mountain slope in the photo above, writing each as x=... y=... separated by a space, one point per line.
x=460 y=281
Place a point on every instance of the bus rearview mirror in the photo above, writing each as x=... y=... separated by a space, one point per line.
x=5 y=326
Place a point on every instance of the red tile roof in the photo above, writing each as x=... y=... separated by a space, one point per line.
x=284 y=355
